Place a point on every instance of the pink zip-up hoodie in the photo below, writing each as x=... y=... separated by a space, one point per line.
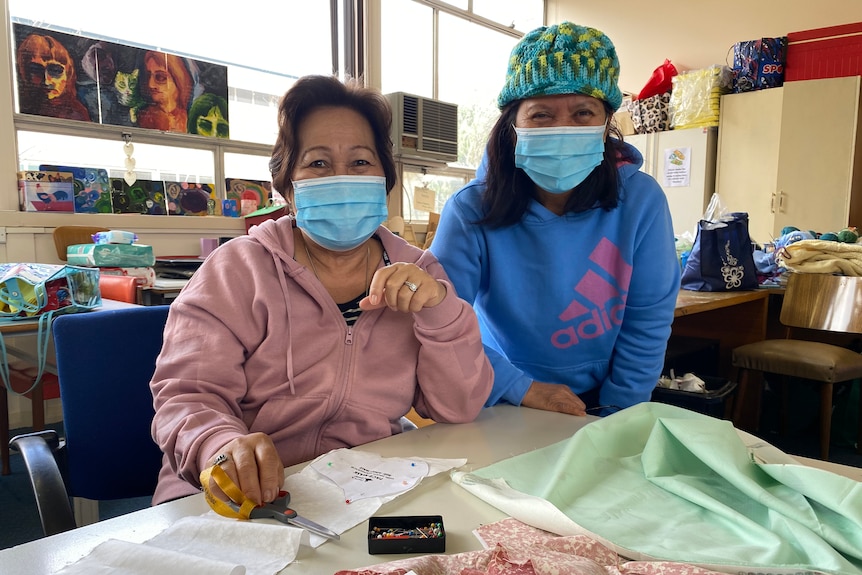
x=254 y=343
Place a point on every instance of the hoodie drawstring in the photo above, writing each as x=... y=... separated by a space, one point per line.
x=286 y=292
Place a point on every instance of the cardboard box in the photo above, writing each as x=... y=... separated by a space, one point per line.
x=47 y=191
x=824 y=53
x=263 y=214
x=111 y=255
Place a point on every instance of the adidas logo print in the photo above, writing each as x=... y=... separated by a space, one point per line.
x=606 y=297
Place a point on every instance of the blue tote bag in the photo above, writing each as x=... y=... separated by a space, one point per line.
x=722 y=257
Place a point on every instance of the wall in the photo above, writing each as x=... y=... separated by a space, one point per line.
x=694 y=34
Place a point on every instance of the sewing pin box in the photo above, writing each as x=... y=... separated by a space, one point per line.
x=406 y=534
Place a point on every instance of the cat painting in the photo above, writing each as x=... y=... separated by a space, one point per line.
x=130 y=99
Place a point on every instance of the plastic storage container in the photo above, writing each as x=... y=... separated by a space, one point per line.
x=406 y=534
x=716 y=401
x=691 y=354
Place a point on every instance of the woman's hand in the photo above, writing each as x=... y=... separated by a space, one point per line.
x=403 y=287
x=553 y=397
x=254 y=466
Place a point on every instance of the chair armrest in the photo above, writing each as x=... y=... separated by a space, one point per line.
x=37 y=450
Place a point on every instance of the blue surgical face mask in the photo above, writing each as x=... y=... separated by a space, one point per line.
x=558 y=159
x=339 y=213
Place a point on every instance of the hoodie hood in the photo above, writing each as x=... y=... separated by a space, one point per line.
x=276 y=236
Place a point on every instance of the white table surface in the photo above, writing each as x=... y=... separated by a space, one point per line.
x=498 y=433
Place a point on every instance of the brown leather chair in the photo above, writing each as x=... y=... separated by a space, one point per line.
x=822 y=302
x=65 y=236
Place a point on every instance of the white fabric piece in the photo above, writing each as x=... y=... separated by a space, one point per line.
x=317 y=498
x=117 y=557
x=363 y=475
x=207 y=544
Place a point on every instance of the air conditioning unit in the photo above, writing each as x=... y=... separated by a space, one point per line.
x=424 y=129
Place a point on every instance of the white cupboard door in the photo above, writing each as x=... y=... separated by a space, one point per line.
x=818 y=138
x=687 y=202
x=748 y=137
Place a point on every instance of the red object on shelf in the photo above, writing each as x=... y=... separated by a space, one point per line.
x=830 y=52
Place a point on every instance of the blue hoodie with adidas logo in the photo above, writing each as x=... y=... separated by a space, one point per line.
x=583 y=299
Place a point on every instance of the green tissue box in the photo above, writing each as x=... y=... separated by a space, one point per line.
x=111 y=255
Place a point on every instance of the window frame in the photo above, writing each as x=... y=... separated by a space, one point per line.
x=362 y=60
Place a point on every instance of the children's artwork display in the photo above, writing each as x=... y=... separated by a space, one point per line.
x=92 y=190
x=190 y=199
x=78 y=78
x=142 y=197
x=250 y=195
x=46 y=191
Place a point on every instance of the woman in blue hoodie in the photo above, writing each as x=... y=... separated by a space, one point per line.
x=564 y=247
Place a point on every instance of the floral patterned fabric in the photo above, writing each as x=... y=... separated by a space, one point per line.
x=515 y=548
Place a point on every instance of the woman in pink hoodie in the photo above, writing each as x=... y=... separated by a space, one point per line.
x=318 y=330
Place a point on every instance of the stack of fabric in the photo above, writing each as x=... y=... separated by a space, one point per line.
x=695 y=98
x=822 y=256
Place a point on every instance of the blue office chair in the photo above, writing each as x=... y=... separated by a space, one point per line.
x=105 y=361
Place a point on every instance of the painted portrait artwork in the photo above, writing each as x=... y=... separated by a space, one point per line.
x=78 y=78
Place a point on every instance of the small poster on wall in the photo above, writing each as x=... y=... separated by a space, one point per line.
x=78 y=78
x=677 y=167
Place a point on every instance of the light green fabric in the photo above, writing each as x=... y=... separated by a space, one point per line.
x=661 y=482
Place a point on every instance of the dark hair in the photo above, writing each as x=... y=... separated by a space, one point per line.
x=312 y=92
x=508 y=189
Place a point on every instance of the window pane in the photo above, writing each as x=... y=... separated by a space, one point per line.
x=440 y=183
x=406 y=51
x=247 y=167
x=254 y=109
x=523 y=15
x=151 y=162
x=473 y=88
